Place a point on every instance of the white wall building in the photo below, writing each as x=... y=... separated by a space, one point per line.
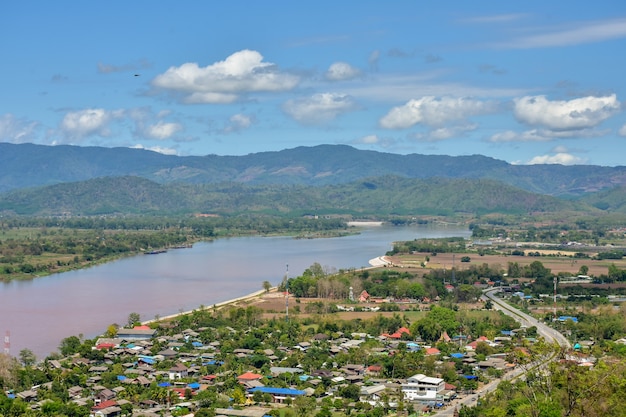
x=422 y=388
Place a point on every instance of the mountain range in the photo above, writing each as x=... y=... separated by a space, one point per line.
x=30 y=165
x=325 y=179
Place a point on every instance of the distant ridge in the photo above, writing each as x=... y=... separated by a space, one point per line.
x=381 y=196
x=29 y=165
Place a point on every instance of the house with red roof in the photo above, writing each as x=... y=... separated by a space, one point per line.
x=397 y=334
x=431 y=351
x=249 y=376
x=106 y=409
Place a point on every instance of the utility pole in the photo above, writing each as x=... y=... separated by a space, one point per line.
x=287 y=294
x=7 y=343
x=453 y=280
x=554 y=300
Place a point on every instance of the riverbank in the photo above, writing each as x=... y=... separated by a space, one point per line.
x=222 y=304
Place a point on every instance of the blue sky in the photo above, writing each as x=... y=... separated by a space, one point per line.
x=525 y=82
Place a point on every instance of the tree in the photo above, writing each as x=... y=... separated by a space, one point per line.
x=69 y=345
x=205 y=412
x=133 y=320
x=267 y=286
x=27 y=357
x=111 y=331
x=304 y=406
x=8 y=370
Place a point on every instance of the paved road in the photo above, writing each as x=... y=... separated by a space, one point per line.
x=543 y=330
x=548 y=333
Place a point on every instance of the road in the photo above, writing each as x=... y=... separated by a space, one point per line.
x=548 y=333
x=543 y=330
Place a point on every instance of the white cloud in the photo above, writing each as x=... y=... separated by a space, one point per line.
x=558 y=158
x=14 y=130
x=443 y=133
x=225 y=81
x=238 y=122
x=368 y=140
x=560 y=149
x=162 y=130
x=527 y=136
x=544 y=135
x=580 y=113
x=432 y=111
x=159 y=149
x=79 y=124
x=319 y=108
x=622 y=131
x=340 y=71
x=576 y=34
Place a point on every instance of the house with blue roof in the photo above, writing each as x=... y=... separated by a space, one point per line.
x=279 y=395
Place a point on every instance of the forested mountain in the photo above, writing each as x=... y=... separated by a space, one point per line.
x=388 y=195
x=29 y=165
x=613 y=200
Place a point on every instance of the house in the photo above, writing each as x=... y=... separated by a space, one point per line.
x=422 y=388
x=278 y=370
x=249 y=376
x=397 y=334
x=372 y=393
x=374 y=369
x=431 y=351
x=178 y=371
x=27 y=396
x=279 y=394
x=106 y=409
x=136 y=333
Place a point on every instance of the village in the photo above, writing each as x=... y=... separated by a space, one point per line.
x=181 y=366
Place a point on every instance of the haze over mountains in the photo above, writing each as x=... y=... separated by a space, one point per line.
x=93 y=180
x=29 y=165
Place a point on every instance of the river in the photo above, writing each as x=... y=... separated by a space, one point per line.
x=41 y=312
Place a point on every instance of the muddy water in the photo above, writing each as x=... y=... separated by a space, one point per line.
x=41 y=312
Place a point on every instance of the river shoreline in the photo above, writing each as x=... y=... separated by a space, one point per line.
x=378 y=262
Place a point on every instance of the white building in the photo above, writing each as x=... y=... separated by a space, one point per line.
x=422 y=388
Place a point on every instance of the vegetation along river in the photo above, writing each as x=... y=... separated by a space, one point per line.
x=41 y=312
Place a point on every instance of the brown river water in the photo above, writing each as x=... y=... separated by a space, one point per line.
x=39 y=313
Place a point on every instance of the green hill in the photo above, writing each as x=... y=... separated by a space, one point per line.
x=29 y=165
x=383 y=196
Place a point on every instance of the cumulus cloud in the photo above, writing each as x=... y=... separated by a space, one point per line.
x=432 y=111
x=622 y=131
x=162 y=130
x=238 y=122
x=77 y=125
x=225 y=81
x=443 y=133
x=580 y=113
x=558 y=158
x=368 y=140
x=151 y=125
x=159 y=149
x=15 y=130
x=319 y=108
x=340 y=71
x=527 y=136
